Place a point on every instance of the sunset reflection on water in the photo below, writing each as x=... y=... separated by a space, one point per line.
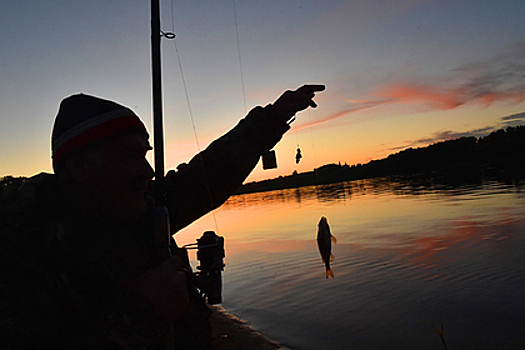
x=408 y=253
x=367 y=213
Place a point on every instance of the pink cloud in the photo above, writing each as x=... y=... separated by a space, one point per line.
x=326 y=119
x=436 y=97
x=359 y=105
x=433 y=97
x=515 y=97
x=413 y=94
x=500 y=79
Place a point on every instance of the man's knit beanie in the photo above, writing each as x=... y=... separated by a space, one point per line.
x=83 y=120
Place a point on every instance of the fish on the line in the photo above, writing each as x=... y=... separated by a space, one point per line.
x=324 y=242
x=298 y=155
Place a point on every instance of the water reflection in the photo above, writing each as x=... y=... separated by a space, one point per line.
x=408 y=253
x=394 y=186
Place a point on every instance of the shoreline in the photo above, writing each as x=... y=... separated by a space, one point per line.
x=232 y=333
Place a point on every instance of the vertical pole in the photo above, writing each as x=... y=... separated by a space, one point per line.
x=161 y=216
x=158 y=131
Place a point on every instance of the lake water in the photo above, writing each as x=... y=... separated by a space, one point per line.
x=407 y=255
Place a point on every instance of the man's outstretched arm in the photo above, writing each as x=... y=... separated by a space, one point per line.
x=214 y=174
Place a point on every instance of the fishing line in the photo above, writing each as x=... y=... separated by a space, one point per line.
x=191 y=117
x=323 y=219
x=313 y=144
x=316 y=171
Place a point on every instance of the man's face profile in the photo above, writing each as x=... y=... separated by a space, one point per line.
x=116 y=178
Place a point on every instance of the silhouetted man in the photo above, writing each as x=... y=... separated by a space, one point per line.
x=78 y=267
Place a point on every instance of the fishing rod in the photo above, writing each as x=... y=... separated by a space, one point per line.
x=161 y=227
x=157 y=92
x=161 y=215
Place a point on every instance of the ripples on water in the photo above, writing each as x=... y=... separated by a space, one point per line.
x=408 y=254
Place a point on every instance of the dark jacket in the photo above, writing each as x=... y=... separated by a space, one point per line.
x=66 y=281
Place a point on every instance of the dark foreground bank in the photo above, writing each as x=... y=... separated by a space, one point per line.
x=231 y=333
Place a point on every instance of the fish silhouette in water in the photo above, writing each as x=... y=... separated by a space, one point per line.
x=324 y=242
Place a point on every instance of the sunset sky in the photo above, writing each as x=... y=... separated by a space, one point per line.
x=399 y=74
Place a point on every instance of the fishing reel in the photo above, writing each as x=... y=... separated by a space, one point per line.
x=210 y=253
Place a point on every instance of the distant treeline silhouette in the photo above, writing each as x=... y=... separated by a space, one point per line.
x=498 y=154
x=10 y=183
x=502 y=153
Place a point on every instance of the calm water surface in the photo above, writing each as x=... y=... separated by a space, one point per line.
x=407 y=255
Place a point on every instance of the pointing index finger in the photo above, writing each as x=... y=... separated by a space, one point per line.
x=311 y=88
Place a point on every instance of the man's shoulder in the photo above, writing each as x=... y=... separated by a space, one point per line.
x=24 y=208
x=36 y=191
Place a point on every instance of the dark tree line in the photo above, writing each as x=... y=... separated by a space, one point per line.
x=10 y=182
x=8 y=186
x=500 y=153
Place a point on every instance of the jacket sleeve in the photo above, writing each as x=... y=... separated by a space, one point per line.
x=214 y=174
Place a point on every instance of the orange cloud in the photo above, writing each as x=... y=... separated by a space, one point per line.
x=501 y=78
x=325 y=119
x=491 y=97
x=411 y=94
x=434 y=97
x=444 y=98
x=361 y=105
